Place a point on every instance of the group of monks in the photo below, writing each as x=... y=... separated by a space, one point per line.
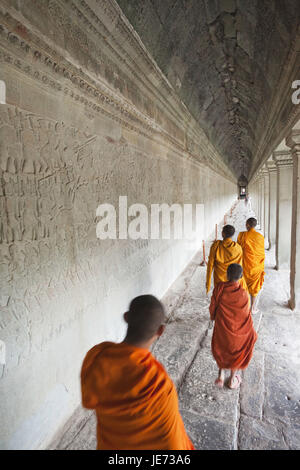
x=135 y=400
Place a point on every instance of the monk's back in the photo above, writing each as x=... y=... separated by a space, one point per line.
x=226 y=252
x=234 y=305
x=253 y=245
x=234 y=335
x=135 y=401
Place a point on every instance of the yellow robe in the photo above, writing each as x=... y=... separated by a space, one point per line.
x=222 y=254
x=253 y=246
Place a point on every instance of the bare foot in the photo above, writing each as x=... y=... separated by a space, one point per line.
x=219 y=383
x=235 y=382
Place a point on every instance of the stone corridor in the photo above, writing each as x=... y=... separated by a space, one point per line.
x=131 y=106
x=265 y=412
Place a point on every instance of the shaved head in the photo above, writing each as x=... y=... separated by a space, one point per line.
x=228 y=231
x=252 y=222
x=234 y=272
x=144 y=317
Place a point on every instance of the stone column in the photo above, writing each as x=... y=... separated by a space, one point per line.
x=284 y=165
x=256 y=192
x=257 y=209
x=293 y=141
x=261 y=208
x=265 y=175
x=272 y=168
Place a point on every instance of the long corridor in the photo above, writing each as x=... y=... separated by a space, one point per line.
x=265 y=412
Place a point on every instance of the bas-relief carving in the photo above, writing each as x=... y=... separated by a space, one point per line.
x=55 y=274
x=53 y=177
x=55 y=63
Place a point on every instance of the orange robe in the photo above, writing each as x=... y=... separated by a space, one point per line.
x=222 y=254
x=135 y=400
x=253 y=246
x=234 y=335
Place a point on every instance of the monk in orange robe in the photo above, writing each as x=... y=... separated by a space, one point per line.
x=253 y=246
x=135 y=400
x=222 y=254
x=233 y=335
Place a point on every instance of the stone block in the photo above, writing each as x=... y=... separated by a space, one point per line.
x=282 y=390
x=252 y=387
x=208 y=433
x=200 y=395
x=178 y=345
x=258 y=435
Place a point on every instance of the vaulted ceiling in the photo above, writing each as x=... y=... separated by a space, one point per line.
x=226 y=59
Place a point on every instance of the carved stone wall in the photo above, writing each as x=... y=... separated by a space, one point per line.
x=84 y=122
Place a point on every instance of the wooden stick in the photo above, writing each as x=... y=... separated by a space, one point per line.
x=203 y=263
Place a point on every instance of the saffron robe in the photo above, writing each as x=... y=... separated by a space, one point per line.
x=253 y=246
x=222 y=254
x=135 y=400
x=234 y=335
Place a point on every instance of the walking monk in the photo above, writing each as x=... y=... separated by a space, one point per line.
x=253 y=246
x=222 y=254
x=135 y=400
x=234 y=335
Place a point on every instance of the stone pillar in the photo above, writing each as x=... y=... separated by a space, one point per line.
x=257 y=198
x=265 y=176
x=255 y=195
x=293 y=141
x=272 y=169
x=261 y=212
x=284 y=165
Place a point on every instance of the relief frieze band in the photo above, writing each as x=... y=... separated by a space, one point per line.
x=50 y=69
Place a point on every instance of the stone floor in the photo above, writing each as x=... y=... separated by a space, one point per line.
x=265 y=412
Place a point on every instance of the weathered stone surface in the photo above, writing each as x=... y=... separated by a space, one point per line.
x=179 y=344
x=200 y=395
x=292 y=437
x=75 y=428
x=263 y=414
x=208 y=433
x=258 y=435
x=239 y=48
x=252 y=388
x=275 y=333
x=282 y=390
x=89 y=117
x=86 y=438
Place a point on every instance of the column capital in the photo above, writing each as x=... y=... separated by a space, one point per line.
x=259 y=174
x=293 y=140
x=264 y=170
x=283 y=158
x=271 y=165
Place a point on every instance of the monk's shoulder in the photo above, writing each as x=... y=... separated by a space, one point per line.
x=95 y=352
x=237 y=246
x=159 y=369
x=259 y=236
x=242 y=234
x=243 y=293
x=219 y=288
x=215 y=245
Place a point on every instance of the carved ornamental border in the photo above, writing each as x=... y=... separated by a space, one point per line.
x=23 y=50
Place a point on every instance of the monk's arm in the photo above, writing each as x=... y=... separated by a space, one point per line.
x=239 y=239
x=89 y=395
x=213 y=305
x=210 y=265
